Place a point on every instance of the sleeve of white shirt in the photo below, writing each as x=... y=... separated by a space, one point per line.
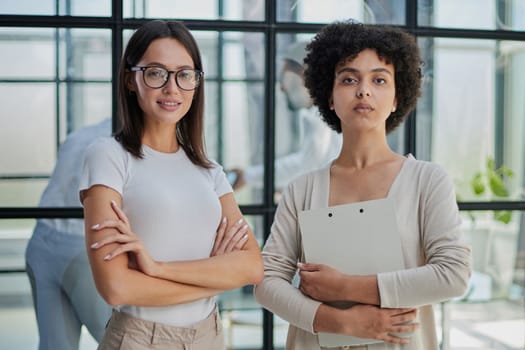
x=104 y=164
x=221 y=184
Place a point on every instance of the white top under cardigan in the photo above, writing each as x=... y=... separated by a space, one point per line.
x=437 y=259
x=173 y=206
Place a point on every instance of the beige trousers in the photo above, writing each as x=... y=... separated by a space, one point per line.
x=125 y=332
x=357 y=347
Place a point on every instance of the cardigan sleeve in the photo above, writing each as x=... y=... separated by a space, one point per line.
x=281 y=253
x=446 y=267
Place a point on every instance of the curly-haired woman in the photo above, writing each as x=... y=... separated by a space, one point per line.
x=365 y=80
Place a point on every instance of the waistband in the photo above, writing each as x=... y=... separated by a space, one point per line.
x=160 y=332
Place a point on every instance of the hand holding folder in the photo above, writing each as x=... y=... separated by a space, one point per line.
x=357 y=239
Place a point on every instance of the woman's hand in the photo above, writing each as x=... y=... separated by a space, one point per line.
x=231 y=240
x=128 y=243
x=321 y=282
x=372 y=322
x=368 y=321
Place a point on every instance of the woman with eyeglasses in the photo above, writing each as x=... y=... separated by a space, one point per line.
x=163 y=231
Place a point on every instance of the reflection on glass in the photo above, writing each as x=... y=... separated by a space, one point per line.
x=472 y=120
x=252 y=10
x=366 y=11
x=303 y=140
x=234 y=76
x=498 y=255
x=482 y=14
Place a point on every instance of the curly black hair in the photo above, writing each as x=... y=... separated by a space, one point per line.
x=344 y=40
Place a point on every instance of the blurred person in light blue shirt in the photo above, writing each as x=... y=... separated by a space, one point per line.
x=64 y=294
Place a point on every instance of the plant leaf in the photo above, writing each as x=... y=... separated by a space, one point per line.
x=490 y=164
x=503 y=215
x=497 y=186
x=478 y=185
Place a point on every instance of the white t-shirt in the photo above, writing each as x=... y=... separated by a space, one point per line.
x=172 y=205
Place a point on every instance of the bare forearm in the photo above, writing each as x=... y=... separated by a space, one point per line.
x=361 y=289
x=222 y=272
x=135 y=288
x=325 y=320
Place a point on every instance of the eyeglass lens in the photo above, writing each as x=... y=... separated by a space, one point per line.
x=157 y=77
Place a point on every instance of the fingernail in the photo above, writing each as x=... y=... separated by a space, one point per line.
x=245 y=227
x=224 y=220
x=240 y=220
x=107 y=257
x=94 y=227
x=114 y=203
x=244 y=237
x=94 y=245
x=300 y=264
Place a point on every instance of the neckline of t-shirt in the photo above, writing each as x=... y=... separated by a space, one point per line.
x=148 y=150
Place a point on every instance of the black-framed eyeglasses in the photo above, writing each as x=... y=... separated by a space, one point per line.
x=156 y=77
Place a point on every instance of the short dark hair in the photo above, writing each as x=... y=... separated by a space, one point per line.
x=344 y=40
x=190 y=129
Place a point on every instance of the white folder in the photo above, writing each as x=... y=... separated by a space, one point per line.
x=359 y=239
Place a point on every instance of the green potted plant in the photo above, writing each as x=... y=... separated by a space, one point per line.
x=492 y=183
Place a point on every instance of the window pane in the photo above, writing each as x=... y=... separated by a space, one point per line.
x=77 y=108
x=30 y=131
x=366 y=11
x=27 y=53
x=85 y=54
x=27 y=7
x=85 y=8
x=471 y=120
x=22 y=192
x=498 y=250
x=49 y=7
x=250 y=10
x=491 y=313
x=243 y=135
x=234 y=74
x=480 y=14
x=27 y=133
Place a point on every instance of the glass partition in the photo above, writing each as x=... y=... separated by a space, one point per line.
x=235 y=96
x=475 y=14
x=251 y=10
x=470 y=118
x=57 y=7
x=366 y=11
x=52 y=72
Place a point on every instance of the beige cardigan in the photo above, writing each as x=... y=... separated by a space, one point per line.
x=436 y=256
